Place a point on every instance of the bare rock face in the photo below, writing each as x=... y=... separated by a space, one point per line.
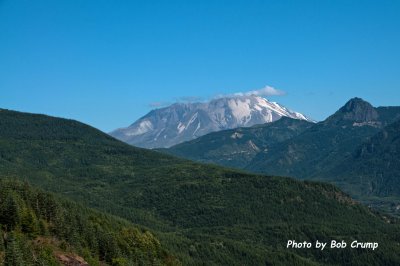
x=359 y=111
x=165 y=127
x=71 y=260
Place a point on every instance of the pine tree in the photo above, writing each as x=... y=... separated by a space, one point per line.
x=1 y=240
x=10 y=214
x=14 y=255
x=29 y=222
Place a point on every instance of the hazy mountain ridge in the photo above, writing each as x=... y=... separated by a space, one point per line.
x=180 y=122
x=237 y=147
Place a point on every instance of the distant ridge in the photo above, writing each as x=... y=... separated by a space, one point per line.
x=238 y=147
x=321 y=150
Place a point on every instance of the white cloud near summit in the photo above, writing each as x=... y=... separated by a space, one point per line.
x=159 y=104
x=265 y=91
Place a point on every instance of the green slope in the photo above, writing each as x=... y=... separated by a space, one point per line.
x=37 y=228
x=378 y=159
x=237 y=147
x=372 y=171
x=328 y=151
x=205 y=215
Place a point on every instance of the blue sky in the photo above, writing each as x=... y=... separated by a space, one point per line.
x=106 y=62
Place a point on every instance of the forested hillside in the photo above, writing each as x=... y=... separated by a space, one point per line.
x=202 y=214
x=375 y=163
x=371 y=173
x=355 y=148
x=37 y=228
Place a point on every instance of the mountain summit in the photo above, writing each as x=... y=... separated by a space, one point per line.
x=356 y=110
x=180 y=122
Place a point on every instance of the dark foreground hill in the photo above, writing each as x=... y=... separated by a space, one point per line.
x=37 y=228
x=205 y=215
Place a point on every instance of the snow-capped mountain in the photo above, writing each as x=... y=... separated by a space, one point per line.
x=180 y=122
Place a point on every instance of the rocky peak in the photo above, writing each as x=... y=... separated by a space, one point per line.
x=356 y=110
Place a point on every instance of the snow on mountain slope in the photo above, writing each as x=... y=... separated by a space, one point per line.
x=180 y=122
